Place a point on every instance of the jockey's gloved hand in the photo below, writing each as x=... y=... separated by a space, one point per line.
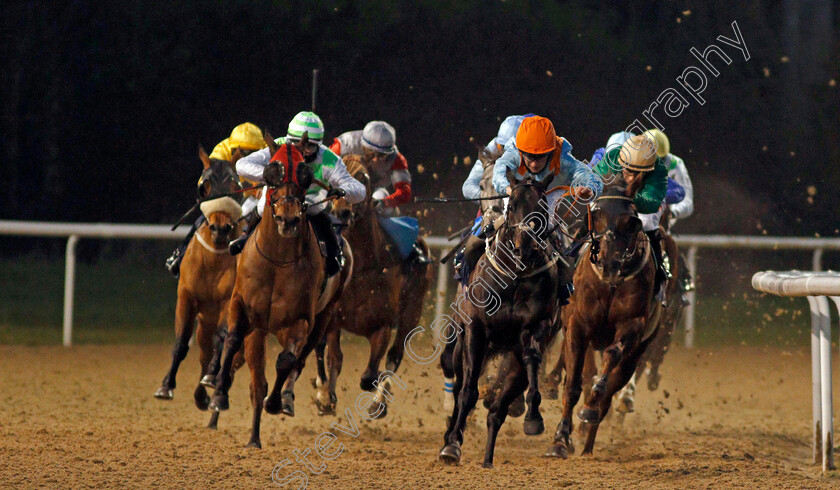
x=335 y=191
x=273 y=174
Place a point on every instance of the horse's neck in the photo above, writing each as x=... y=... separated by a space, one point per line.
x=366 y=235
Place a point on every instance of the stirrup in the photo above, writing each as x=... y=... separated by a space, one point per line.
x=173 y=263
x=236 y=246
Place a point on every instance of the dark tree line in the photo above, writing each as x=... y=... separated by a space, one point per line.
x=103 y=103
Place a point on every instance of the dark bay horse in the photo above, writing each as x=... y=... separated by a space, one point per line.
x=382 y=294
x=206 y=281
x=511 y=306
x=281 y=289
x=613 y=310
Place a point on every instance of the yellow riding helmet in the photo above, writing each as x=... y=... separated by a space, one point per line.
x=663 y=146
x=247 y=136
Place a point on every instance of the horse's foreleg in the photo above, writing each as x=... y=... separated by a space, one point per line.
x=531 y=358
x=514 y=383
x=204 y=338
x=239 y=328
x=475 y=346
x=458 y=383
x=378 y=345
x=334 y=361
x=446 y=363
x=185 y=312
x=574 y=353
x=280 y=399
x=209 y=379
x=255 y=356
x=612 y=357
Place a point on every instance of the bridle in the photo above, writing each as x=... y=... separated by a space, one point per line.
x=609 y=235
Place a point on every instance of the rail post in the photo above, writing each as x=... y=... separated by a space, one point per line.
x=69 y=282
x=440 y=299
x=816 y=260
x=692 y=298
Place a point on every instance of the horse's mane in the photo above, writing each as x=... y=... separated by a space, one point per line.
x=354 y=164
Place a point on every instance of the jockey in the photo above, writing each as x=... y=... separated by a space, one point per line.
x=246 y=138
x=388 y=169
x=494 y=149
x=677 y=172
x=326 y=165
x=646 y=178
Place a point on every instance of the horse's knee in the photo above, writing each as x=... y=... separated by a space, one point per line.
x=285 y=362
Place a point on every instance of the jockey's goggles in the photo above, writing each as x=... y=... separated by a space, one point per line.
x=531 y=157
x=310 y=148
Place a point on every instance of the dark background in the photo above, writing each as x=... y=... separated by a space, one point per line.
x=104 y=103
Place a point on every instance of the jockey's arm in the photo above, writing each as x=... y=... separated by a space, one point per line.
x=338 y=176
x=653 y=191
x=401 y=180
x=684 y=208
x=252 y=166
x=579 y=175
x=509 y=160
x=471 y=187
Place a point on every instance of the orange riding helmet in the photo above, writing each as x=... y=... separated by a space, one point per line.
x=536 y=135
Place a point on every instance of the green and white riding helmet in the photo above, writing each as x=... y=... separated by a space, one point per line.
x=306 y=121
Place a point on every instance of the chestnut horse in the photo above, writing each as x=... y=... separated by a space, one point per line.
x=206 y=281
x=613 y=309
x=511 y=306
x=655 y=354
x=383 y=294
x=281 y=289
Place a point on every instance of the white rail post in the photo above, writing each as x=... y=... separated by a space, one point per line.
x=816 y=383
x=692 y=298
x=816 y=260
x=440 y=300
x=825 y=383
x=69 y=285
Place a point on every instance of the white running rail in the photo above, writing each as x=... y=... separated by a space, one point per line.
x=816 y=286
x=688 y=243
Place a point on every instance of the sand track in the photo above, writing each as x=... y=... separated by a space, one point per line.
x=85 y=417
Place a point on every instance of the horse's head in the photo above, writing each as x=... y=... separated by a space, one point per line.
x=616 y=225
x=218 y=178
x=288 y=178
x=527 y=216
x=348 y=213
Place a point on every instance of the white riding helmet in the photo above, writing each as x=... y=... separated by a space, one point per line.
x=618 y=139
x=379 y=136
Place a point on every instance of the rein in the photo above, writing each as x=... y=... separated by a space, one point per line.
x=284 y=263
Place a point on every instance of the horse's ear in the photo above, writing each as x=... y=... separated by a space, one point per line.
x=203 y=156
x=304 y=140
x=511 y=176
x=269 y=141
x=236 y=154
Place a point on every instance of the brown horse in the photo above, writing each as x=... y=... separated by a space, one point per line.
x=613 y=309
x=206 y=281
x=655 y=354
x=511 y=305
x=281 y=289
x=383 y=294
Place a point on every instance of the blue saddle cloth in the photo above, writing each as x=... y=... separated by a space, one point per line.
x=403 y=230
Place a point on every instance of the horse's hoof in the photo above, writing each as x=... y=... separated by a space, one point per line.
x=450 y=454
x=326 y=410
x=255 y=445
x=653 y=380
x=533 y=427
x=487 y=465
x=625 y=404
x=219 y=403
x=208 y=380
x=272 y=406
x=381 y=413
x=589 y=415
x=557 y=450
x=164 y=393
x=202 y=400
x=288 y=404
x=517 y=407
x=367 y=384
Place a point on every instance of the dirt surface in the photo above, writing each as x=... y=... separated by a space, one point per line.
x=85 y=417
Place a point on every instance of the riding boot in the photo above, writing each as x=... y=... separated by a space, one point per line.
x=655 y=240
x=252 y=219
x=322 y=225
x=173 y=263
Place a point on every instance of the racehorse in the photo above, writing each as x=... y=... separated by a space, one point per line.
x=206 y=280
x=383 y=293
x=512 y=306
x=613 y=309
x=281 y=289
x=655 y=354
